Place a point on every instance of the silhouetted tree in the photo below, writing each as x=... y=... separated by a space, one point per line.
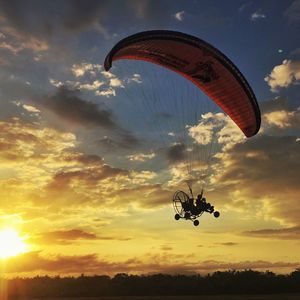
x=227 y=282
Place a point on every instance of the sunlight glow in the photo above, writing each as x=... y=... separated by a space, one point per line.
x=11 y=244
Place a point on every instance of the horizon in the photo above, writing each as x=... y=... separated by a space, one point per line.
x=90 y=159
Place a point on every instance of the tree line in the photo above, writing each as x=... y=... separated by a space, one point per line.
x=226 y=282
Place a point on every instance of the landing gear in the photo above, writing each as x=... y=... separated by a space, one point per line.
x=216 y=214
x=196 y=223
x=177 y=217
x=186 y=208
x=187 y=215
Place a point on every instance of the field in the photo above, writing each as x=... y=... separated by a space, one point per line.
x=209 y=297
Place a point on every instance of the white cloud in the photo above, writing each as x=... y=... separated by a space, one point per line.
x=80 y=70
x=27 y=107
x=31 y=108
x=202 y=133
x=230 y=134
x=283 y=119
x=141 y=156
x=284 y=75
x=55 y=82
x=116 y=82
x=216 y=128
x=135 y=78
x=180 y=15
x=108 y=74
x=257 y=15
x=91 y=86
x=107 y=93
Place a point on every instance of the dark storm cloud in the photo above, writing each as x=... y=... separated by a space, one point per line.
x=81 y=13
x=176 y=153
x=68 y=105
x=43 y=18
x=291 y=233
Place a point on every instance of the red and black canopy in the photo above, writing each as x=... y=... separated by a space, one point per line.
x=199 y=62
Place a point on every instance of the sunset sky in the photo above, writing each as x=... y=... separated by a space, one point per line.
x=88 y=167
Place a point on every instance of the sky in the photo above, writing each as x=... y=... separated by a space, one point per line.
x=90 y=160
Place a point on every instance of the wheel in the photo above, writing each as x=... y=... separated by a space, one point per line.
x=177 y=217
x=216 y=214
x=196 y=222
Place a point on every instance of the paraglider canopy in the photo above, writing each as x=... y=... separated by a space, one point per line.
x=199 y=62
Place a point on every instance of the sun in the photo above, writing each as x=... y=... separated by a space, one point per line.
x=11 y=244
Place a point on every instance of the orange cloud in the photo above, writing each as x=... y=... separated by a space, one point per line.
x=291 y=233
x=35 y=263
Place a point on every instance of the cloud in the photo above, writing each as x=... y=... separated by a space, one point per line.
x=291 y=233
x=135 y=78
x=257 y=15
x=176 y=153
x=141 y=156
x=284 y=75
x=115 y=82
x=106 y=92
x=283 y=119
x=216 y=128
x=276 y=104
x=293 y=11
x=125 y=141
x=253 y=170
x=35 y=262
x=230 y=244
x=86 y=176
x=23 y=141
x=69 y=16
x=82 y=69
x=68 y=105
x=66 y=237
x=80 y=15
x=202 y=133
x=245 y=6
x=47 y=181
x=179 y=16
x=31 y=108
x=87 y=72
